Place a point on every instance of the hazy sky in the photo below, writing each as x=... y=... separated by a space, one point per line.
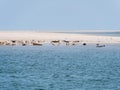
x=59 y=14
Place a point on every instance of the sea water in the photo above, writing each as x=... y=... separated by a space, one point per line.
x=60 y=67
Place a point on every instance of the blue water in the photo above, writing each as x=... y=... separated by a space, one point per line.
x=60 y=67
x=114 y=34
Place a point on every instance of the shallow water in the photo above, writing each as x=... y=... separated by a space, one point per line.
x=114 y=34
x=60 y=67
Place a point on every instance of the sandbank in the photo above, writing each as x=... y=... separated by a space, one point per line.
x=49 y=36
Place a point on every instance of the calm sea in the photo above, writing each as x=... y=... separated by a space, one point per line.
x=114 y=34
x=60 y=67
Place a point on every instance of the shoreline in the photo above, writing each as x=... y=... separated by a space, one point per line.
x=33 y=37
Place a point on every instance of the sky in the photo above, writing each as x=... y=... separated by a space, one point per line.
x=59 y=15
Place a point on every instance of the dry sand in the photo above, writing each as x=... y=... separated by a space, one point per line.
x=47 y=36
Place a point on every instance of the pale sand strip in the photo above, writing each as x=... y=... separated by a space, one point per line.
x=17 y=35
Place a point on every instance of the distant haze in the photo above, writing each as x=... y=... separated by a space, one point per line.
x=59 y=15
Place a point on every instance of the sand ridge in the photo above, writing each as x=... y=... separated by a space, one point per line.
x=49 y=36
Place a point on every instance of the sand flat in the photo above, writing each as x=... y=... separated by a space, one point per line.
x=48 y=36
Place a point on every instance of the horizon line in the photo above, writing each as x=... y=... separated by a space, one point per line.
x=22 y=30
